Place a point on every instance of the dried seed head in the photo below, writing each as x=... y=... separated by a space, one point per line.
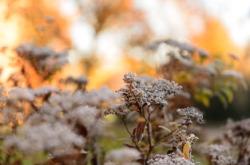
x=141 y=91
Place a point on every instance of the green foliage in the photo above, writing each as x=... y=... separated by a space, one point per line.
x=203 y=96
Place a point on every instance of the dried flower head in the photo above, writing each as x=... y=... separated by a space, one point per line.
x=141 y=91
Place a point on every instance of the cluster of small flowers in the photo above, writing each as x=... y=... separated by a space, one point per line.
x=233 y=146
x=141 y=91
x=191 y=113
x=183 y=127
x=43 y=59
x=96 y=98
x=219 y=154
x=13 y=102
x=28 y=94
x=238 y=135
x=238 y=132
x=170 y=159
x=61 y=123
x=56 y=138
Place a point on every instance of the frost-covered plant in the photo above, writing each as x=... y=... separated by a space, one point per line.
x=59 y=123
x=156 y=128
x=232 y=148
x=219 y=155
x=146 y=91
x=19 y=103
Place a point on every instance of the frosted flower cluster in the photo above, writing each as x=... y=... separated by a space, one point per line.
x=81 y=117
x=238 y=132
x=55 y=138
x=219 y=154
x=233 y=146
x=183 y=128
x=28 y=94
x=238 y=135
x=21 y=94
x=16 y=98
x=86 y=117
x=170 y=159
x=95 y=98
x=62 y=121
x=141 y=91
x=192 y=114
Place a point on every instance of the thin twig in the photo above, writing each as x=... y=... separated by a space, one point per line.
x=131 y=136
x=149 y=132
x=126 y=127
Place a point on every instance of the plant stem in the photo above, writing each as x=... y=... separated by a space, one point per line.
x=131 y=136
x=149 y=135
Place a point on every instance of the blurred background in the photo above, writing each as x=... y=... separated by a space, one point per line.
x=107 y=38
